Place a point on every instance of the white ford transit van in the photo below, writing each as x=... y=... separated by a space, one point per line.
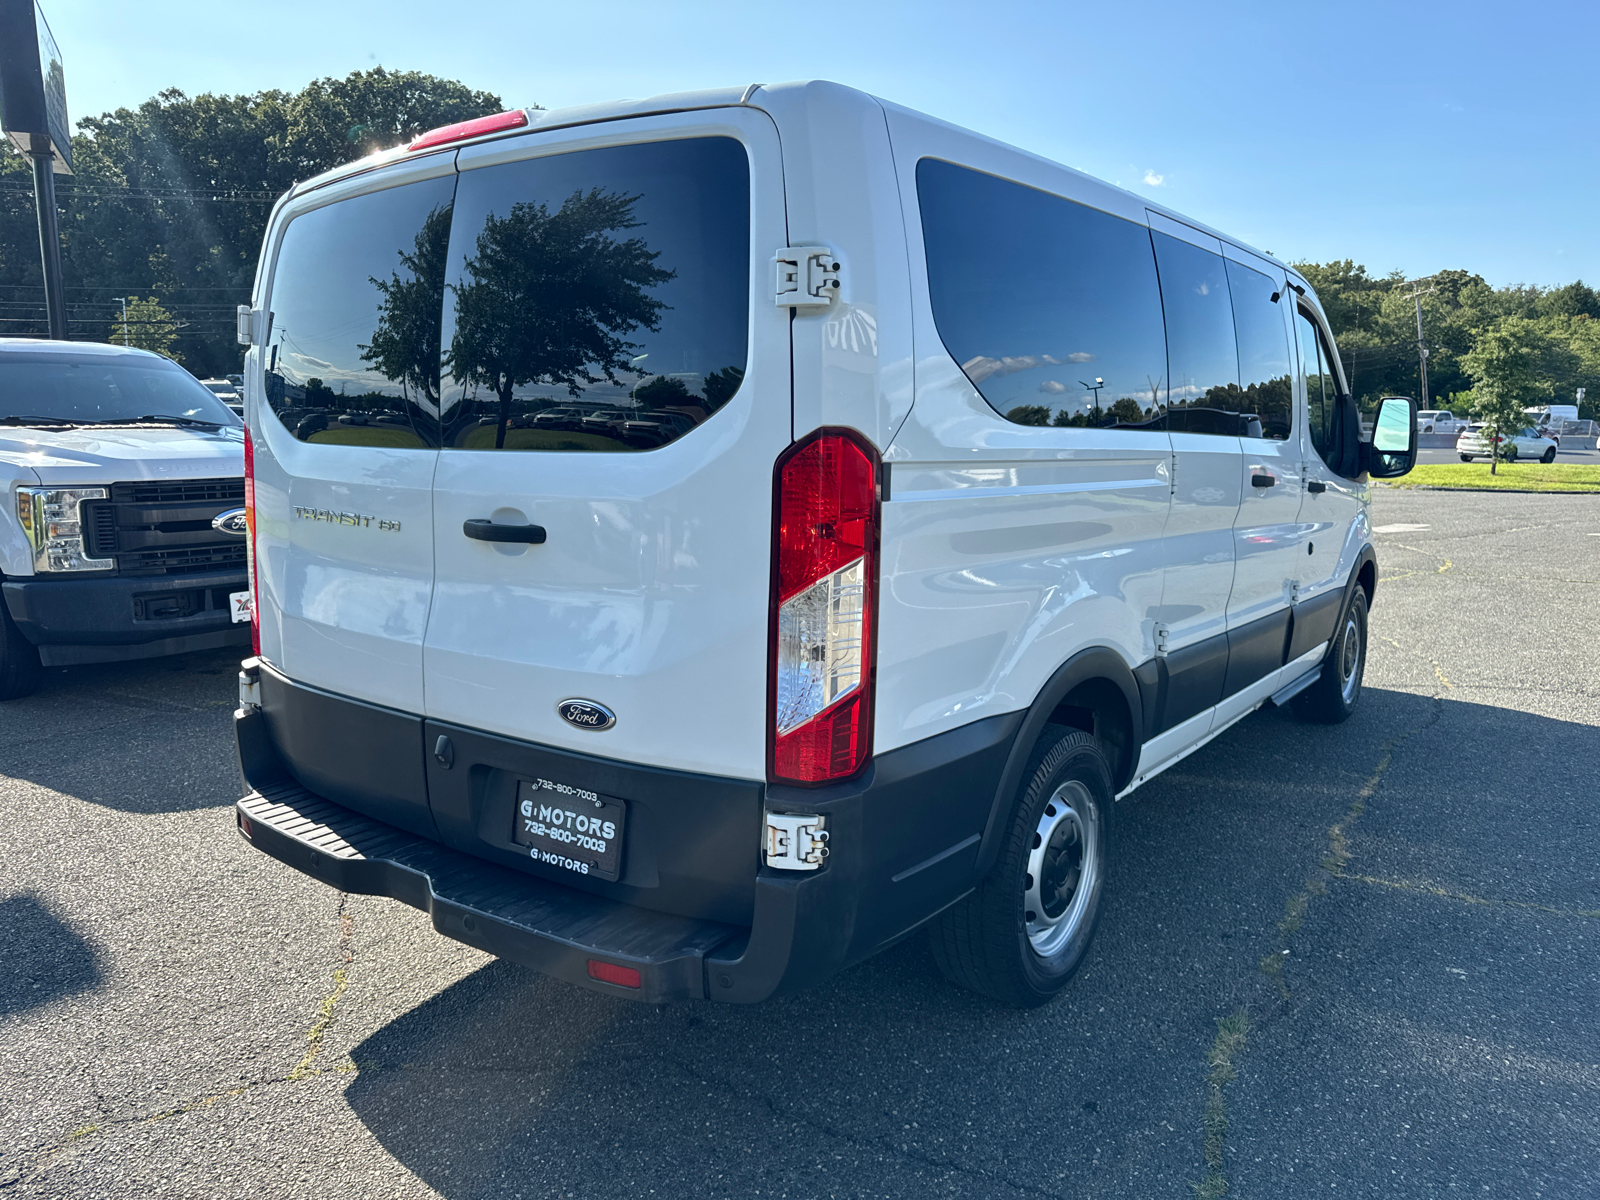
x=699 y=541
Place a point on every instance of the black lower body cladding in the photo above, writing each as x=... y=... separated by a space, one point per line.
x=707 y=918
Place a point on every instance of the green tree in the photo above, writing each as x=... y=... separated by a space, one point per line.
x=405 y=343
x=171 y=198
x=1029 y=414
x=1504 y=369
x=148 y=326
x=551 y=297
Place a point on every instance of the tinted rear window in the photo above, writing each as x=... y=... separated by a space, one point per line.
x=352 y=354
x=1051 y=307
x=597 y=300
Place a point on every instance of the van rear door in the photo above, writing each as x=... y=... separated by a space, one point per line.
x=345 y=443
x=616 y=393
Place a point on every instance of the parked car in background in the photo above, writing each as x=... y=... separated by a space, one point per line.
x=1439 y=420
x=230 y=393
x=1528 y=443
x=122 y=531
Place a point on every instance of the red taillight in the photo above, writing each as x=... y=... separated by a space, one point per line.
x=824 y=602
x=462 y=130
x=250 y=541
x=605 y=972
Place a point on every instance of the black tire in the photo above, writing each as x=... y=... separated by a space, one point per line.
x=1549 y=456
x=1332 y=698
x=1466 y=458
x=987 y=942
x=19 y=660
x=1510 y=454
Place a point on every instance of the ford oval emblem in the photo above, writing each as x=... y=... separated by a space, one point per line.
x=231 y=522
x=586 y=714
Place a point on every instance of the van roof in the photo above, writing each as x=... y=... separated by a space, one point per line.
x=541 y=119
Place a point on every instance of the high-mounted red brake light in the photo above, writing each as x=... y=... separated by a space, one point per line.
x=477 y=127
x=250 y=541
x=824 y=602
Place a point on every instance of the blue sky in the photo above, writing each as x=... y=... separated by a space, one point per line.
x=1412 y=137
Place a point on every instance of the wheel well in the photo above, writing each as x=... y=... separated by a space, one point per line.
x=1367 y=577
x=1098 y=707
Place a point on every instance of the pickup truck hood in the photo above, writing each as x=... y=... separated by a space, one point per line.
x=89 y=457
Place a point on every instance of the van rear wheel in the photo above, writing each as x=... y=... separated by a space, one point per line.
x=1020 y=936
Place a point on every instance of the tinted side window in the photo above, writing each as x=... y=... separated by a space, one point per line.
x=1266 y=400
x=1051 y=307
x=1202 y=354
x=597 y=300
x=1320 y=386
x=352 y=354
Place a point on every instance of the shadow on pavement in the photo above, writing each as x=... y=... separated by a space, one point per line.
x=887 y=1081
x=44 y=958
x=153 y=736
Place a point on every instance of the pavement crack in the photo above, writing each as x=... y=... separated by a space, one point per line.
x=1467 y=898
x=1233 y=1030
x=327 y=1011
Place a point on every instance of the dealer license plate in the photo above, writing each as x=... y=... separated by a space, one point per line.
x=569 y=828
x=239 y=602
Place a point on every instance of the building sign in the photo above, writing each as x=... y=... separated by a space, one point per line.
x=33 y=86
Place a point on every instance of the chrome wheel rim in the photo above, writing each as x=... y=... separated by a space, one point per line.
x=1062 y=869
x=1350 y=660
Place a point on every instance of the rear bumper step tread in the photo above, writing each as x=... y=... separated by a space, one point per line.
x=507 y=913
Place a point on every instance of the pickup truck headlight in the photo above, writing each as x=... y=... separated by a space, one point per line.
x=51 y=519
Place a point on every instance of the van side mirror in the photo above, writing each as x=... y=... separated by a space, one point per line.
x=1393 y=449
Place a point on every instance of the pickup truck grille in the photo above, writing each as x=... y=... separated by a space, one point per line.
x=164 y=527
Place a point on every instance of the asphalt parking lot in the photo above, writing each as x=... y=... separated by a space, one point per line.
x=1359 y=960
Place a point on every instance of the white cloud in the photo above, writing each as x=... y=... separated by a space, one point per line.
x=1082 y=356
x=1052 y=387
x=1154 y=180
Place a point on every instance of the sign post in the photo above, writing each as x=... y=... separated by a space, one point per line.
x=33 y=114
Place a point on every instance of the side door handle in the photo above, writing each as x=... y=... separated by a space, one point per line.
x=479 y=529
x=1316 y=486
x=1262 y=481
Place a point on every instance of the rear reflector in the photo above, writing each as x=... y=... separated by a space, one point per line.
x=611 y=973
x=463 y=130
x=824 y=592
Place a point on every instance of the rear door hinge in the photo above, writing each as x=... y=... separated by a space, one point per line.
x=1161 y=640
x=807 y=277
x=795 y=842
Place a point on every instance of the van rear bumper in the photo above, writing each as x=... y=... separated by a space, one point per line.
x=904 y=840
x=554 y=929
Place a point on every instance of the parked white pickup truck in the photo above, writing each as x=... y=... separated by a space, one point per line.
x=122 y=531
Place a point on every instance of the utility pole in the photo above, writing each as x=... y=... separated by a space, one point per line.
x=44 y=200
x=1422 y=346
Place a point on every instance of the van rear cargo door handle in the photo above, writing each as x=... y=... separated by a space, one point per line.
x=482 y=530
x=1262 y=481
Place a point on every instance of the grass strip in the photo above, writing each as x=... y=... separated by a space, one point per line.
x=1511 y=477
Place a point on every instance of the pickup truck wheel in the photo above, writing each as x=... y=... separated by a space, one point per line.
x=1549 y=455
x=1466 y=458
x=1022 y=933
x=19 y=660
x=1332 y=698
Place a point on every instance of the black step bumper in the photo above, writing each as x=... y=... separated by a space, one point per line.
x=554 y=929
